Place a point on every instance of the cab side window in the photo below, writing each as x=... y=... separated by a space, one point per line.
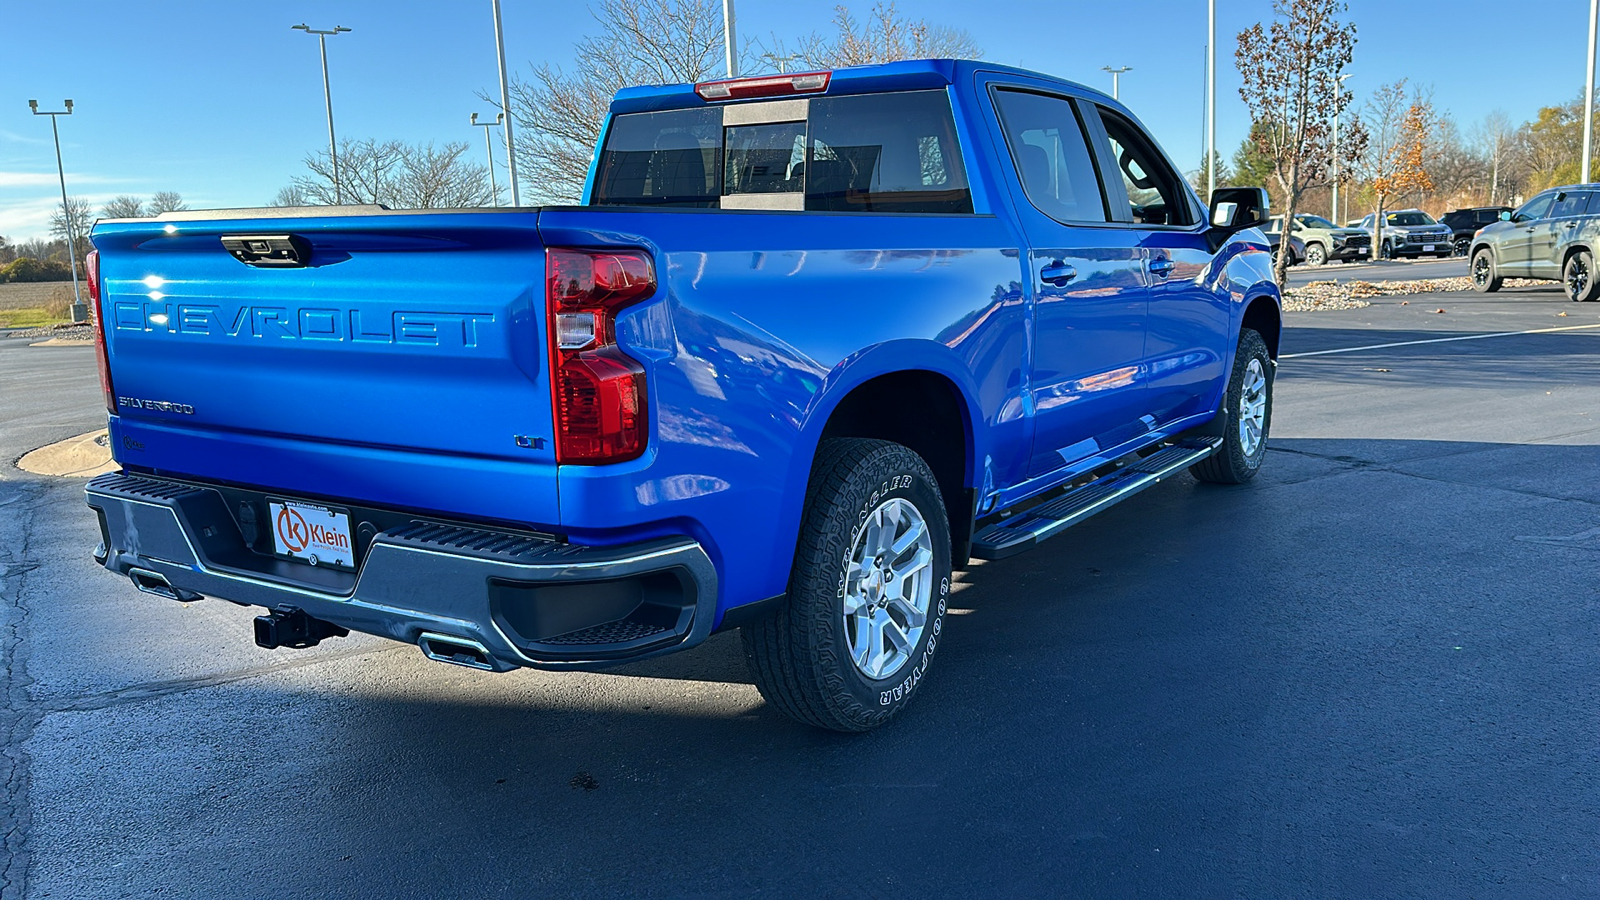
x=1154 y=191
x=1051 y=156
x=1535 y=208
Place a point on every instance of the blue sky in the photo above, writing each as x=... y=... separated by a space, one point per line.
x=221 y=100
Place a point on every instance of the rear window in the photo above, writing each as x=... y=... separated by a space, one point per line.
x=893 y=152
x=662 y=159
x=1569 y=203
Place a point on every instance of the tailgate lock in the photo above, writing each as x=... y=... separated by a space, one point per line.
x=274 y=250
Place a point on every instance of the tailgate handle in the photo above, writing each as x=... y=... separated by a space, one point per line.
x=278 y=251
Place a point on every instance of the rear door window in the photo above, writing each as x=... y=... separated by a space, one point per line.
x=1051 y=156
x=1569 y=203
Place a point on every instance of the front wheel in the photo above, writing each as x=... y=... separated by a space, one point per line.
x=1316 y=255
x=1387 y=252
x=1248 y=416
x=1485 y=275
x=867 y=594
x=1578 y=277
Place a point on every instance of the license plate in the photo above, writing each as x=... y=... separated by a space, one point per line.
x=317 y=534
x=1427 y=248
x=1364 y=251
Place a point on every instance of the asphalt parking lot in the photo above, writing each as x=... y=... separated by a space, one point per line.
x=1371 y=672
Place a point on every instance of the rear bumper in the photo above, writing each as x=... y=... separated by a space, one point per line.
x=526 y=600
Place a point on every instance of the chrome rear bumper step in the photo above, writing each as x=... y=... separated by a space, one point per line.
x=1027 y=529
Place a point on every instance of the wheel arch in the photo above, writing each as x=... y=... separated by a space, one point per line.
x=1263 y=315
x=922 y=402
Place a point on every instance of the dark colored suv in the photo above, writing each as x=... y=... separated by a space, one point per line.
x=1464 y=223
x=1554 y=235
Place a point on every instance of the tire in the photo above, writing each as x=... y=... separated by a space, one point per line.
x=811 y=658
x=1316 y=254
x=1578 y=277
x=1239 y=459
x=1485 y=274
x=1388 y=251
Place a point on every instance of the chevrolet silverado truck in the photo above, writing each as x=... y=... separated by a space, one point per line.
x=811 y=342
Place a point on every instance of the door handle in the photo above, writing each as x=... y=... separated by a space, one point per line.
x=1161 y=267
x=1057 y=273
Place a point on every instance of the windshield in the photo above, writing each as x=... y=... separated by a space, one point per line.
x=1315 y=222
x=1410 y=218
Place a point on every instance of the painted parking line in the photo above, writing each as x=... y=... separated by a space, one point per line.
x=1445 y=340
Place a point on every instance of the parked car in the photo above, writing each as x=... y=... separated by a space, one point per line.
x=812 y=341
x=1464 y=223
x=1411 y=233
x=1274 y=232
x=1325 y=241
x=1554 y=235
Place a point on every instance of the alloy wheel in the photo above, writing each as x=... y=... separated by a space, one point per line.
x=1252 y=408
x=888 y=586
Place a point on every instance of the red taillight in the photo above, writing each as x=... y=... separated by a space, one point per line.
x=91 y=272
x=597 y=390
x=766 y=86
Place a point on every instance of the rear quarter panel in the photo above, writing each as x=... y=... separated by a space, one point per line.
x=762 y=324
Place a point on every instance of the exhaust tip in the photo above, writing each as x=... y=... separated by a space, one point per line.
x=456 y=651
x=156 y=583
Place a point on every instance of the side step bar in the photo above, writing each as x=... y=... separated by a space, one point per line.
x=1023 y=531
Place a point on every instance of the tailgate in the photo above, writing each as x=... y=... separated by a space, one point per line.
x=401 y=365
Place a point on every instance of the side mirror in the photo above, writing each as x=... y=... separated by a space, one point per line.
x=1505 y=216
x=1238 y=208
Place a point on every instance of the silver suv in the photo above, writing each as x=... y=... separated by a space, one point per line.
x=1412 y=233
x=1551 y=236
x=1326 y=241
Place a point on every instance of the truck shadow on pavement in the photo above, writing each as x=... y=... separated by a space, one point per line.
x=1355 y=675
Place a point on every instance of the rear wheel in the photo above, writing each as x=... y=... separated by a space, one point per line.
x=1578 y=277
x=867 y=593
x=1248 y=416
x=1485 y=275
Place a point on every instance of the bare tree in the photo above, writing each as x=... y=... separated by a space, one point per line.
x=1459 y=170
x=559 y=114
x=394 y=174
x=166 y=201
x=124 y=207
x=1494 y=138
x=291 y=196
x=72 y=225
x=885 y=36
x=1290 y=76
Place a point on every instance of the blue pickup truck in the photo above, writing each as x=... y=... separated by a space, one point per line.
x=812 y=342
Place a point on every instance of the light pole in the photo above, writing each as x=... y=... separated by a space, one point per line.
x=505 y=105
x=1588 y=93
x=488 y=146
x=728 y=41
x=1338 y=87
x=327 y=96
x=1211 y=100
x=781 y=62
x=1116 y=74
x=80 y=313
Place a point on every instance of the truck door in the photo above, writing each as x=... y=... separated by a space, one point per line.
x=1515 y=254
x=1188 y=334
x=1087 y=292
